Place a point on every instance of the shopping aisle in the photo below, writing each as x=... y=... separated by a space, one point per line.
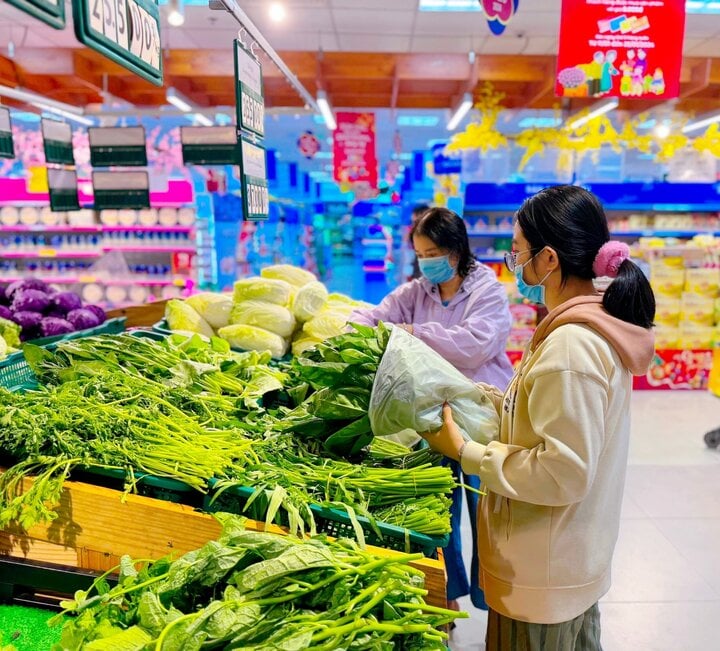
x=666 y=574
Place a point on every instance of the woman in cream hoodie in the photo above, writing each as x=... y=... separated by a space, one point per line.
x=549 y=521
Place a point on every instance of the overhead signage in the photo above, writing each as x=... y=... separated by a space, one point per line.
x=7 y=148
x=124 y=146
x=125 y=31
x=354 y=155
x=57 y=142
x=51 y=12
x=250 y=99
x=256 y=198
x=63 y=189
x=118 y=190
x=209 y=145
x=631 y=50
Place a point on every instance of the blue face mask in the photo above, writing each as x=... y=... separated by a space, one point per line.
x=534 y=293
x=437 y=270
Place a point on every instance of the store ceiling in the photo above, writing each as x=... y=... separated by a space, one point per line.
x=373 y=56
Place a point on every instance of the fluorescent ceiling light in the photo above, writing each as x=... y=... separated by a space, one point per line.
x=178 y=100
x=702 y=7
x=662 y=130
x=418 y=120
x=176 y=15
x=450 y=5
x=596 y=110
x=203 y=119
x=66 y=114
x=460 y=112
x=326 y=111
x=702 y=122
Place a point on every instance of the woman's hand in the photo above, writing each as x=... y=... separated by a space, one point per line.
x=448 y=440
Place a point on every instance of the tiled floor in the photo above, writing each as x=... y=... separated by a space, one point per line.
x=666 y=572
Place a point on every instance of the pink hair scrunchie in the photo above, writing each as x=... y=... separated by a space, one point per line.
x=609 y=258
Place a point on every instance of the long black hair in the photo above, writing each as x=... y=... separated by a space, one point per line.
x=447 y=231
x=571 y=220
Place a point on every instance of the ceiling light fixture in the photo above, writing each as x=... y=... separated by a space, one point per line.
x=176 y=13
x=662 y=131
x=66 y=114
x=326 y=111
x=596 y=110
x=460 y=112
x=277 y=12
x=203 y=119
x=46 y=104
x=178 y=100
x=702 y=122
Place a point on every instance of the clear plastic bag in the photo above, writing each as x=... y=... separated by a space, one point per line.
x=412 y=384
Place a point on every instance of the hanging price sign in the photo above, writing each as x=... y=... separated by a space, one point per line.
x=51 y=12
x=125 y=31
x=256 y=198
x=7 y=148
x=250 y=99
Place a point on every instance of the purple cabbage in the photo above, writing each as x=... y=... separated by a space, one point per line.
x=83 y=319
x=30 y=300
x=4 y=300
x=98 y=312
x=29 y=322
x=25 y=283
x=64 y=302
x=51 y=326
x=5 y=313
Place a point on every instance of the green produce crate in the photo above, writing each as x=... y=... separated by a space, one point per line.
x=330 y=521
x=16 y=374
x=160 y=488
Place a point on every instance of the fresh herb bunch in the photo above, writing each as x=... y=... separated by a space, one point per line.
x=253 y=590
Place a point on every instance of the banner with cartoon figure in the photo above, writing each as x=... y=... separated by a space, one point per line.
x=616 y=49
x=354 y=154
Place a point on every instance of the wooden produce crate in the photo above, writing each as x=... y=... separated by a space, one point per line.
x=96 y=526
x=141 y=316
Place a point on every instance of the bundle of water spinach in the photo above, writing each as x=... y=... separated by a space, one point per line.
x=260 y=592
x=331 y=384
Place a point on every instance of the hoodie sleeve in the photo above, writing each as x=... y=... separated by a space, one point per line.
x=396 y=307
x=567 y=411
x=481 y=336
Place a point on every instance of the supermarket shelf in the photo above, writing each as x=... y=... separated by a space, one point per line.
x=150 y=249
x=38 y=228
x=80 y=280
x=49 y=253
x=146 y=229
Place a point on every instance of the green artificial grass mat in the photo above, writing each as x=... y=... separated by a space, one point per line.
x=27 y=629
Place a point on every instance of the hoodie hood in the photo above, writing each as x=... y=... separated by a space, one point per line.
x=634 y=345
x=479 y=275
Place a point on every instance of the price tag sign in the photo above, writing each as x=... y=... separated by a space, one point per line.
x=119 y=190
x=209 y=145
x=125 y=31
x=7 y=148
x=250 y=99
x=51 y=12
x=57 y=142
x=256 y=198
x=63 y=190
x=121 y=146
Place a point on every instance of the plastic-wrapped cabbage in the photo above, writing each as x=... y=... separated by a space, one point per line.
x=309 y=300
x=247 y=337
x=303 y=344
x=268 y=316
x=341 y=304
x=10 y=333
x=181 y=317
x=262 y=289
x=213 y=307
x=325 y=325
x=294 y=275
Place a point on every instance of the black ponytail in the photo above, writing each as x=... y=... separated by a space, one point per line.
x=629 y=297
x=572 y=222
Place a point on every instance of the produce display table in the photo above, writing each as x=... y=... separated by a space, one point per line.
x=96 y=526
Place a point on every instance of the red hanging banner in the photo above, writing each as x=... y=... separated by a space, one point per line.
x=355 y=160
x=621 y=49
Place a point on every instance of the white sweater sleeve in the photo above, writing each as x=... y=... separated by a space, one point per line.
x=567 y=411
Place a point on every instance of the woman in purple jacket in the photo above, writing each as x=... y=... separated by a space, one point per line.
x=459 y=309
